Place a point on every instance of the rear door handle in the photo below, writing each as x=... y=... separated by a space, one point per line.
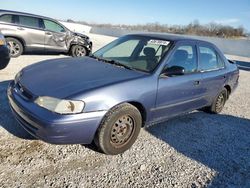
x=196 y=83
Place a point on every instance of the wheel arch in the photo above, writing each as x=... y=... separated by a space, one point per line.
x=228 y=88
x=137 y=105
x=141 y=109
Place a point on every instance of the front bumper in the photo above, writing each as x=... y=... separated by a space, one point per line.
x=4 y=57
x=51 y=127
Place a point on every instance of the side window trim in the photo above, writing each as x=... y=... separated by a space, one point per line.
x=41 y=24
x=210 y=70
x=221 y=59
x=16 y=19
x=198 y=57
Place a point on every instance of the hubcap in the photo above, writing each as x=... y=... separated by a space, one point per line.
x=80 y=51
x=122 y=130
x=220 y=102
x=14 y=48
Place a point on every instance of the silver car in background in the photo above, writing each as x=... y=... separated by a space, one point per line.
x=31 y=33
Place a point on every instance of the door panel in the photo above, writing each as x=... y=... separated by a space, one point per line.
x=179 y=94
x=34 y=38
x=213 y=82
x=32 y=33
x=55 y=36
x=213 y=71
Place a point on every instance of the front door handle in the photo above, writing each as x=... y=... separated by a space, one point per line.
x=197 y=82
x=20 y=28
x=48 y=33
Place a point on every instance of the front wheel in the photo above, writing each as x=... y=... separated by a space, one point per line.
x=119 y=129
x=78 y=51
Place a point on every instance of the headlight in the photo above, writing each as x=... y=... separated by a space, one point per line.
x=60 y=106
x=18 y=76
x=2 y=42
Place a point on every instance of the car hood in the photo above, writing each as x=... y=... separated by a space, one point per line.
x=62 y=78
x=81 y=35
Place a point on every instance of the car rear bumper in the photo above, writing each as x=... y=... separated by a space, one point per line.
x=4 y=57
x=51 y=127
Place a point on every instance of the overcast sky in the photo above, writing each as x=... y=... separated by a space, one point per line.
x=229 y=12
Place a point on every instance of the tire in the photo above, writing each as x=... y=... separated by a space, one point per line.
x=218 y=103
x=119 y=129
x=78 y=51
x=15 y=47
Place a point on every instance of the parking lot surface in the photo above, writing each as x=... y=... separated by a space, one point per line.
x=194 y=150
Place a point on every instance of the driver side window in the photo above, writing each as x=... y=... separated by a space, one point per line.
x=52 y=26
x=184 y=56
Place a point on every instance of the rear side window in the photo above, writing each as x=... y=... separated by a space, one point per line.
x=29 y=21
x=6 y=18
x=53 y=26
x=209 y=59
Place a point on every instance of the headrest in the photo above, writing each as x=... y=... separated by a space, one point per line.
x=148 y=51
x=181 y=55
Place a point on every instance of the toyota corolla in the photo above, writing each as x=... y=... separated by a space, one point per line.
x=135 y=81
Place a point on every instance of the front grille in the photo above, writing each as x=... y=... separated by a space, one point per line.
x=24 y=92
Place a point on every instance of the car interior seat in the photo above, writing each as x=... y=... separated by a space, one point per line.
x=151 y=59
x=179 y=58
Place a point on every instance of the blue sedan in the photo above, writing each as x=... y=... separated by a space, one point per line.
x=4 y=53
x=135 y=81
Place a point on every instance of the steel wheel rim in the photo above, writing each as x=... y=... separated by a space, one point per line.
x=80 y=51
x=220 y=102
x=14 y=48
x=122 y=131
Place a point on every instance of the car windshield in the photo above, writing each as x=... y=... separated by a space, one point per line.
x=134 y=52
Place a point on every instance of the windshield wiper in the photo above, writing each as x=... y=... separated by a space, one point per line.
x=117 y=63
x=92 y=56
x=113 y=62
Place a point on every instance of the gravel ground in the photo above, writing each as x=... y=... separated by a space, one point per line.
x=195 y=150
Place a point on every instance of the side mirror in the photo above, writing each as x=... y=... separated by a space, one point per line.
x=173 y=71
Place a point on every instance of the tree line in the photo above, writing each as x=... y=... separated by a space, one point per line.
x=194 y=28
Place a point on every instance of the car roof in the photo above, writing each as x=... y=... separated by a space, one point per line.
x=22 y=13
x=171 y=37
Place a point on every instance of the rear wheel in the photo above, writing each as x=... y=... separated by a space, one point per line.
x=78 y=51
x=218 y=103
x=119 y=129
x=15 y=47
